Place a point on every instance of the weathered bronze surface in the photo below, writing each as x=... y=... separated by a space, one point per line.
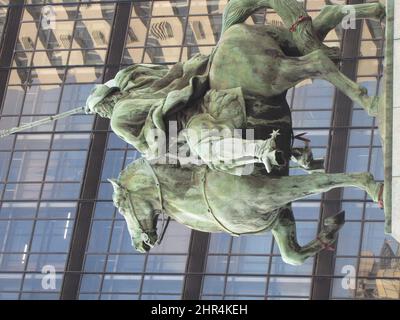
x=241 y=85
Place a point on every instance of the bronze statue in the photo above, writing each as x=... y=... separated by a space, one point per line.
x=242 y=85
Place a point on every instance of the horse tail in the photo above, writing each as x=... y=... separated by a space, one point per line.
x=237 y=11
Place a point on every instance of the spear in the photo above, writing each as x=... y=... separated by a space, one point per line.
x=25 y=126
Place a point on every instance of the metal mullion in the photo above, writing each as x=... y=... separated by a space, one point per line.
x=196 y=262
x=35 y=220
x=109 y=237
x=363 y=221
x=9 y=40
x=150 y=17
x=42 y=188
x=172 y=46
x=2 y=198
x=227 y=267
x=38 y=26
x=142 y=276
x=271 y=255
x=91 y=183
x=189 y=4
x=324 y=261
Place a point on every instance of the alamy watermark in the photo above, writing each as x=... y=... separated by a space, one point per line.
x=49 y=277
x=349 y=280
x=48 y=18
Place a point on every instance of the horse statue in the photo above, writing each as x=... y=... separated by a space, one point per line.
x=213 y=201
x=241 y=85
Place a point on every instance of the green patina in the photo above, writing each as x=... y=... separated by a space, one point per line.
x=241 y=85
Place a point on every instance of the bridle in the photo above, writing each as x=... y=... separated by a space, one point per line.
x=164 y=224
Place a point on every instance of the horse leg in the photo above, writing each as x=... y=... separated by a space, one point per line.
x=290 y=188
x=317 y=65
x=284 y=233
x=332 y=15
x=304 y=157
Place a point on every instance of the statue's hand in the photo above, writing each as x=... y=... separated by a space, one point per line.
x=268 y=153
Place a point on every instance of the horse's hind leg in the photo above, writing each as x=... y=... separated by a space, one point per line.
x=332 y=15
x=290 y=188
x=285 y=236
x=318 y=65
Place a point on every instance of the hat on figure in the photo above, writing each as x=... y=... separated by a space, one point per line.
x=98 y=94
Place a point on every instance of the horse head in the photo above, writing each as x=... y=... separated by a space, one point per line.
x=140 y=217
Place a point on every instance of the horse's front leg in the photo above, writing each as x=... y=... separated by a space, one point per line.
x=290 y=188
x=304 y=157
x=285 y=236
x=332 y=15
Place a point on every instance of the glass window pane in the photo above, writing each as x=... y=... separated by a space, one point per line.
x=14 y=100
x=15 y=235
x=66 y=166
x=349 y=239
x=11 y=262
x=216 y=264
x=279 y=267
x=90 y=283
x=121 y=283
x=246 y=285
x=61 y=191
x=99 y=236
x=95 y=263
x=162 y=284
x=125 y=263
x=10 y=281
x=22 y=191
x=260 y=244
x=289 y=286
x=52 y=236
x=213 y=285
x=166 y=263
x=248 y=265
x=34 y=141
x=219 y=243
x=11 y=210
x=27 y=166
x=64 y=210
x=34 y=282
x=40 y=262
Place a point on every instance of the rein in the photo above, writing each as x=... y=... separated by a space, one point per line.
x=164 y=224
x=144 y=236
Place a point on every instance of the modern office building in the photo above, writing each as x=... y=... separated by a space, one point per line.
x=56 y=212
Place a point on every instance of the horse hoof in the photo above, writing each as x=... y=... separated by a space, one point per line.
x=336 y=220
x=326 y=245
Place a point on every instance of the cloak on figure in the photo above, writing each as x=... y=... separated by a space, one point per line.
x=153 y=95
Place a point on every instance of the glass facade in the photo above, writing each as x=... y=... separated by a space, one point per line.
x=54 y=65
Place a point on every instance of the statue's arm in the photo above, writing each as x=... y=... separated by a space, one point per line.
x=129 y=131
